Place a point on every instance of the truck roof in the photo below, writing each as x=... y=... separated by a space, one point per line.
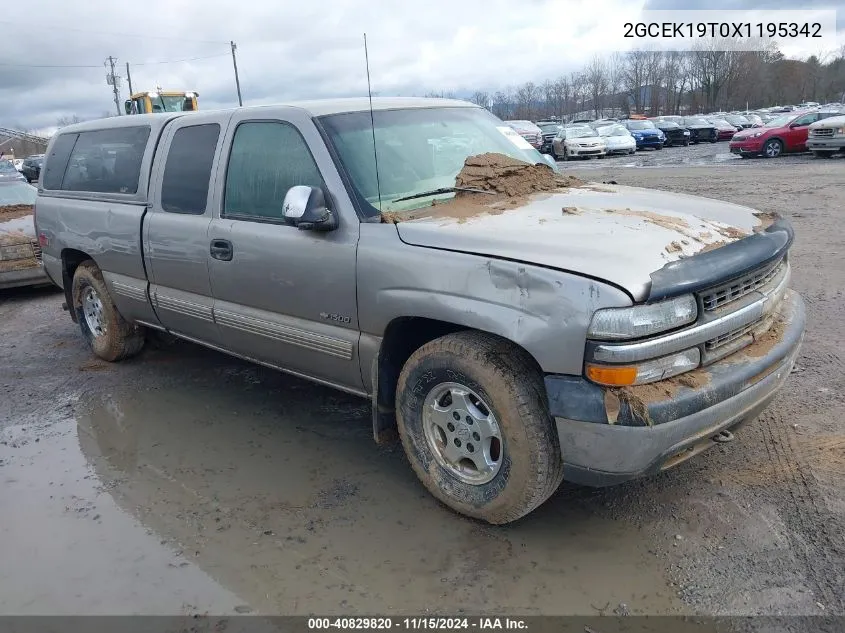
x=315 y=107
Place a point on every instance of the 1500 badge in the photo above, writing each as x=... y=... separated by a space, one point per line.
x=335 y=317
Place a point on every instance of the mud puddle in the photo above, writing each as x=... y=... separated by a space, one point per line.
x=69 y=549
x=285 y=505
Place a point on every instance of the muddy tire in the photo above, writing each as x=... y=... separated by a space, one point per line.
x=107 y=332
x=475 y=425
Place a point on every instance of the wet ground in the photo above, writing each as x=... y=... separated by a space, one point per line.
x=184 y=481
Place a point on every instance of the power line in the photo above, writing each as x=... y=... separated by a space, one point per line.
x=166 y=61
x=145 y=36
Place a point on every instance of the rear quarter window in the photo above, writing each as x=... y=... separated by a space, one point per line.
x=106 y=161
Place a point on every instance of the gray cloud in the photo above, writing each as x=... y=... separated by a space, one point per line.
x=291 y=50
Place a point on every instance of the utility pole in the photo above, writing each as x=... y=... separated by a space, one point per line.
x=237 y=79
x=113 y=80
x=129 y=79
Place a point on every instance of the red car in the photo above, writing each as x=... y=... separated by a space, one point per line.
x=724 y=129
x=786 y=133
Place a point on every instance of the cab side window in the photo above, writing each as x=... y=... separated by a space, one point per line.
x=187 y=172
x=806 y=119
x=267 y=159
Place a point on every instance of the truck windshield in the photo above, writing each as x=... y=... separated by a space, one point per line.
x=418 y=149
x=168 y=103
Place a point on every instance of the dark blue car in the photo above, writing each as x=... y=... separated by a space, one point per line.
x=645 y=134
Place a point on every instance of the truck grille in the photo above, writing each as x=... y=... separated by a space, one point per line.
x=720 y=295
x=730 y=337
x=822 y=131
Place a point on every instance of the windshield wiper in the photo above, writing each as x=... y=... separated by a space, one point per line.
x=435 y=192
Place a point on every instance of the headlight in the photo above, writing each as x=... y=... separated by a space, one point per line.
x=757 y=134
x=647 y=371
x=839 y=130
x=643 y=320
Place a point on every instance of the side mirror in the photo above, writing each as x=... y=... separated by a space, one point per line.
x=305 y=208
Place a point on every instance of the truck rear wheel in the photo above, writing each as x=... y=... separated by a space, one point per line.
x=106 y=331
x=475 y=425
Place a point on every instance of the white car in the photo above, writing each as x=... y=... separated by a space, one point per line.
x=618 y=139
x=578 y=142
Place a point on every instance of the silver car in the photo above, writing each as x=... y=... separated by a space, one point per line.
x=512 y=326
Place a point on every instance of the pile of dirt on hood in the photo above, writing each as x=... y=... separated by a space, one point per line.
x=510 y=177
x=508 y=180
x=14 y=211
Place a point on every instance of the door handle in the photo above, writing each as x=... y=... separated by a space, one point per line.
x=222 y=250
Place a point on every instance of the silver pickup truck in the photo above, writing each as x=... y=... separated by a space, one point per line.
x=512 y=326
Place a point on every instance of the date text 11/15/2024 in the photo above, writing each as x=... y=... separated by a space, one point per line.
x=418 y=623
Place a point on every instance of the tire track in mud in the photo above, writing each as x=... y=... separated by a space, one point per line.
x=815 y=535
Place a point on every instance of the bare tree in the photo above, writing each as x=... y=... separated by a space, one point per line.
x=479 y=97
x=68 y=120
x=562 y=93
x=597 y=83
x=526 y=97
x=549 y=98
x=634 y=77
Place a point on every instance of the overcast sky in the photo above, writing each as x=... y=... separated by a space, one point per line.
x=292 y=50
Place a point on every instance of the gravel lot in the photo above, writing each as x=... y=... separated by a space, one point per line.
x=184 y=481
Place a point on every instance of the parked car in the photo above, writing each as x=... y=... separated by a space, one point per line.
x=31 y=168
x=578 y=142
x=826 y=137
x=756 y=119
x=549 y=131
x=581 y=121
x=601 y=123
x=673 y=133
x=724 y=130
x=529 y=131
x=618 y=139
x=701 y=131
x=738 y=121
x=8 y=171
x=645 y=133
x=20 y=253
x=507 y=348
x=784 y=134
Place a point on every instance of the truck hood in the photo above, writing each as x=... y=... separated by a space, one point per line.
x=609 y=232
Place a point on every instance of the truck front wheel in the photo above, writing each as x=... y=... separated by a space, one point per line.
x=106 y=331
x=475 y=425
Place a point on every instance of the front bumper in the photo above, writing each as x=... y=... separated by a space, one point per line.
x=730 y=392
x=577 y=152
x=652 y=141
x=746 y=147
x=832 y=144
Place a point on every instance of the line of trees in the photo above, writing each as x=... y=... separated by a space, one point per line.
x=672 y=82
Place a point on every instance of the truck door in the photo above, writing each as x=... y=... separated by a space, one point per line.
x=176 y=226
x=284 y=296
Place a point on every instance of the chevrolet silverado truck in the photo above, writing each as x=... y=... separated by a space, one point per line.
x=512 y=326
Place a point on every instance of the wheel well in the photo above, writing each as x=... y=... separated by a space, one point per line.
x=402 y=337
x=71 y=259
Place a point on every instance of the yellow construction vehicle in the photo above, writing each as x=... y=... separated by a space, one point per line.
x=161 y=101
